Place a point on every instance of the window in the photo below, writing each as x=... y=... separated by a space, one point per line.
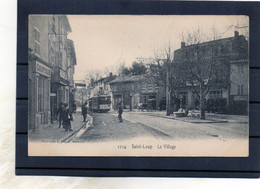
x=215 y=94
x=40 y=94
x=143 y=87
x=240 y=89
x=52 y=55
x=156 y=87
x=37 y=37
x=150 y=87
x=61 y=60
x=53 y=25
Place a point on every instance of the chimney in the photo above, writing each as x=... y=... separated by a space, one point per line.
x=110 y=74
x=236 y=33
x=182 y=44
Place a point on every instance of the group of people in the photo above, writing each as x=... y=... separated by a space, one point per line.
x=65 y=115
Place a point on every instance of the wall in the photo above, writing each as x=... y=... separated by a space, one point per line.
x=42 y=23
x=240 y=77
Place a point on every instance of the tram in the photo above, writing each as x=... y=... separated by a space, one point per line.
x=99 y=103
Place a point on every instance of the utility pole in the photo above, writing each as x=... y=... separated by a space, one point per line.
x=167 y=93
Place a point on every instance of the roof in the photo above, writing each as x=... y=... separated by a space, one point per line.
x=214 y=41
x=66 y=23
x=125 y=78
x=238 y=41
x=106 y=79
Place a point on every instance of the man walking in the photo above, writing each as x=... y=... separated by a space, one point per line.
x=84 y=111
x=120 y=112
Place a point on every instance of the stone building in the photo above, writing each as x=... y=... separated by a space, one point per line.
x=51 y=58
x=134 y=89
x=230 y=78
x=101 y=86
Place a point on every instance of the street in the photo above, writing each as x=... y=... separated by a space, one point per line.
x=145 y=134
x=106 y=127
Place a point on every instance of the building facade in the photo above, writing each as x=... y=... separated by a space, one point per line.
x=229 y=87
x=135 y=89
x=101 y=86
x=51 y=58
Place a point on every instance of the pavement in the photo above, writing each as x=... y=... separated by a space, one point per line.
x=52 y=132
x=210 y=117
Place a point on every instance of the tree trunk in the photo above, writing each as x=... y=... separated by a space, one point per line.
x=202 y=101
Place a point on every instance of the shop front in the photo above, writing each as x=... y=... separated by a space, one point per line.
x=60 y=91
x=39 y=89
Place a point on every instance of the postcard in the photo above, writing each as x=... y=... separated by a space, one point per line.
x=138 y=85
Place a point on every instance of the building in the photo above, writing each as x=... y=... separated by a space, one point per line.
x=51 y=58
x=80 y=95
x=72 y=61
x=153 y=89
x=134 y=89
x=125 y=90
x=101 y=86
x=229 y=81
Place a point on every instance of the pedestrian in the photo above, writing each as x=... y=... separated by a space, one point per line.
x=74 y=107
x=120 y=112
x=66 y=118
x=84 y=111
x=59 y=113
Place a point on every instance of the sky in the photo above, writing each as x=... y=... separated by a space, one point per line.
x=102 y=42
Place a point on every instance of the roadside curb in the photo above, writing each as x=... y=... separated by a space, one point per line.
x=80 y=131
x=195 y=121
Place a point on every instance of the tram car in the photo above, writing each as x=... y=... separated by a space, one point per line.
x=99 y=103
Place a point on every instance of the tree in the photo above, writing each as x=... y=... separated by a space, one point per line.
x=135 y=69
x=158 y=70
x=200 y=65
x=126 y=71
x=93 y=75
x=138 y=68
x=121 y=68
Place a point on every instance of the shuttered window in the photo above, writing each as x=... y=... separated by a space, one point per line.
x=37 y=37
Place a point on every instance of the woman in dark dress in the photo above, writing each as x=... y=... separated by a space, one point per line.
x=66 y=118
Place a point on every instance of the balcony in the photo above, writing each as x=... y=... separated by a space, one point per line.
x=60 y=76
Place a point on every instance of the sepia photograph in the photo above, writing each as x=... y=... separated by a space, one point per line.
x=138 y=85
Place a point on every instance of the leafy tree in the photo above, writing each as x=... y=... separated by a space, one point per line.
x=126 y=71
x=135 y=69
x=138 y=68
